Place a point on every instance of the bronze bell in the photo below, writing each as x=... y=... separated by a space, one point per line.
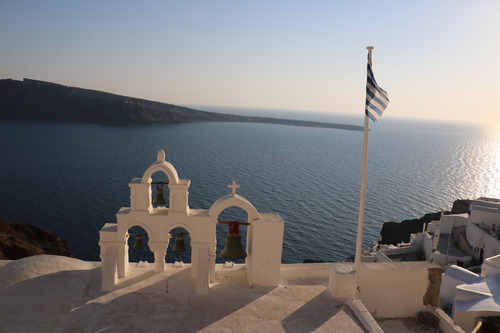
x=233 y=249
x=179 y=245
x=138 y=244
x=159 y=200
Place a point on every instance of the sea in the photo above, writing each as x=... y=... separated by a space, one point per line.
x=72 y=178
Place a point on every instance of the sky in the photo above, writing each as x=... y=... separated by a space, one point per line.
x=436 y=59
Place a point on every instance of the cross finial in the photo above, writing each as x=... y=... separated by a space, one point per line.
x=234 y=186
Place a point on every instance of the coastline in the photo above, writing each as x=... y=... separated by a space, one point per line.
x=36 y=100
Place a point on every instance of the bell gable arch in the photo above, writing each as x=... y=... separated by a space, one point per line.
x=163 y=166
x=233 y=200
x=144 y=226
x=191 y=231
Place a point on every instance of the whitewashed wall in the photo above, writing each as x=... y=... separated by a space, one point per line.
x=387 y=289
x=479 y=238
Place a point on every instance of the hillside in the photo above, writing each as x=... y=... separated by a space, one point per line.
x=19 y=240
x=44 y=101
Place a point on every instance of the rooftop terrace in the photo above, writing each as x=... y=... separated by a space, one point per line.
x=50 y=293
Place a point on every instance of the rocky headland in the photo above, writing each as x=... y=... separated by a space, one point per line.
x=394 y=232
x=19 y=240
x=44 y=101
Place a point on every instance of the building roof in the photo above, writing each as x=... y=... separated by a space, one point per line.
x=51 y=293
x=462 y=274
x=479 y=296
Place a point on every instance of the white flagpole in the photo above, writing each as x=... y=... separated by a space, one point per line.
x=359 y=239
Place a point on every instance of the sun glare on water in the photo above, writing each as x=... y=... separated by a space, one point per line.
x=490 y=168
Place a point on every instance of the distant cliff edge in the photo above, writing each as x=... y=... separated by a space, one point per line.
x=394 y=233
x=44 y=101
x=19 y=240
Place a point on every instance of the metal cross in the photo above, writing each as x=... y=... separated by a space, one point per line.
x=234 y=186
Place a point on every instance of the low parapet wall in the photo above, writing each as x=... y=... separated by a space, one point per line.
x=317 y=273
x=388 y=289
x=491 y=266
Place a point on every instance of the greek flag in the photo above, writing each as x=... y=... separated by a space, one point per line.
x=376 y=97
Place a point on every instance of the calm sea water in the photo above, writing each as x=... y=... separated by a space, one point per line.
x=73 y=178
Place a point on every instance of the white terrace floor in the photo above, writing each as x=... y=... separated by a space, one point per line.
x=59 y=294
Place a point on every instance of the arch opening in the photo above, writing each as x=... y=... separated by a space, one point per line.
x=159 y=187
x=138 y=235
x=231 y=213
x=185 y=256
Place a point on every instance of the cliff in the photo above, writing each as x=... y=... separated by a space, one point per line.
x=394 y=233
x=44 y=101
x=19 y=240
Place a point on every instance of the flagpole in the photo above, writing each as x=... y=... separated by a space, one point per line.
x=359 y=238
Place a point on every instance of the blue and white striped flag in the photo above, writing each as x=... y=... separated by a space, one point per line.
x=376 y=97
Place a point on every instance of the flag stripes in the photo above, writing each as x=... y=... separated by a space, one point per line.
x=376 y=97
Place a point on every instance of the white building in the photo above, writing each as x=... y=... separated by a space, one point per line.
x=483 y=228
x=461 y=239
x=471 y=296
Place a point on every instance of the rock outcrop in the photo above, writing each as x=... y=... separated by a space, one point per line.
x=394 y=232
x=19 y=240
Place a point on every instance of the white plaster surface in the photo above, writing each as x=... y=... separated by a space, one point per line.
x=479 y=296
x=491 y=266
x=58 y=294
x=264 y=238
x=394 y=290
x=453 y=277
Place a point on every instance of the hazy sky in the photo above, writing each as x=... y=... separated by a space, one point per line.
x=436 y=59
